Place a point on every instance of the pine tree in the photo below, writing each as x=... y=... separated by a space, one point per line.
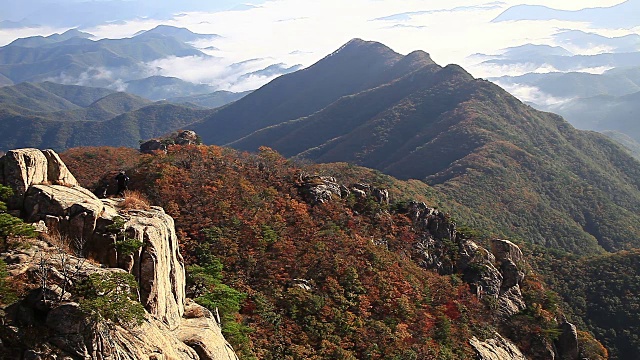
x=9 y=224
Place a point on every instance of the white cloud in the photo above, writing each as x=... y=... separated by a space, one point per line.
x=218 y=72
x=304 y=31
x=532 y=94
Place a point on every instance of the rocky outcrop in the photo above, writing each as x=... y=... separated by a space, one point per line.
x=70 y=210
x=69 y=332
x=489 y=273
x=506 y=250
x=19 y=169
x=567 y=342
x=508 y=255
x=182 y=137
x=497 y=348
x=150 y=146
x=478 y=270
x=158 y=266
x=94 y=228
x=196 y=336
x=201 y=332
x=319 y=189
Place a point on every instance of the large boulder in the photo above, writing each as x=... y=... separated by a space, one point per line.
x=186 y=137
x=201 y=332
x=506 y=250
x=57 y=171
x=150 y=146
x=19 y=169
x=70 y=210
x=151 y=340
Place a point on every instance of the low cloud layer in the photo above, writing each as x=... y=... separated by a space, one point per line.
x=532 y=94
x=217 y=72
x=303 y=31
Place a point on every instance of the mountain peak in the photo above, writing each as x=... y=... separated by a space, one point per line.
x=180 y=33
x=357 y=43
x=419 y=56
x=75 y=33
x=368 y=51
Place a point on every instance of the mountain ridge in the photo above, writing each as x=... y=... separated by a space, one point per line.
x=352 y=68
x=450 y=131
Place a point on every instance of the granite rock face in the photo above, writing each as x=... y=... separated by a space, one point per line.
x=181 y=137
x=159 y=267
x=318 y=189
x=497 y=348
x=19 y=169
x=91 y=228
x=201 y=332
x=69 y=331
x=495 y=274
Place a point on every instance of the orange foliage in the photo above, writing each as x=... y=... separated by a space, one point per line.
x=364 y=301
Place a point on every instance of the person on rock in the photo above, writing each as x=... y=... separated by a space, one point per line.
x=123 y=182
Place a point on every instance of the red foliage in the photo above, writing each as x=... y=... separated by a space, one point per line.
x=366 y=301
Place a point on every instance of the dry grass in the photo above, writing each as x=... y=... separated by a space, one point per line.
x=58 y=240
x=134 y=200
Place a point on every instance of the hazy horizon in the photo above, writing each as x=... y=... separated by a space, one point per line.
x=302 y=32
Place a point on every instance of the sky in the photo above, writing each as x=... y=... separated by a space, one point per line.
x=303 y=31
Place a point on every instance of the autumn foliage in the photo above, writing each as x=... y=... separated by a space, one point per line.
x=331 y=281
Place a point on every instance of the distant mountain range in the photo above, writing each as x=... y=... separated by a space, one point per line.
x=182 y=34
x=36 y=41
x=585 y=40
x=593 y=92
x=572 y=63
x=48 y=96
x=600 y=102
x=72 y=57
x=212 y=100
x=127 y=129
x=128 y=64
x=50 y=115
x=603 y=112
x=616 y=82
x=163 y=87
x=623 y=15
